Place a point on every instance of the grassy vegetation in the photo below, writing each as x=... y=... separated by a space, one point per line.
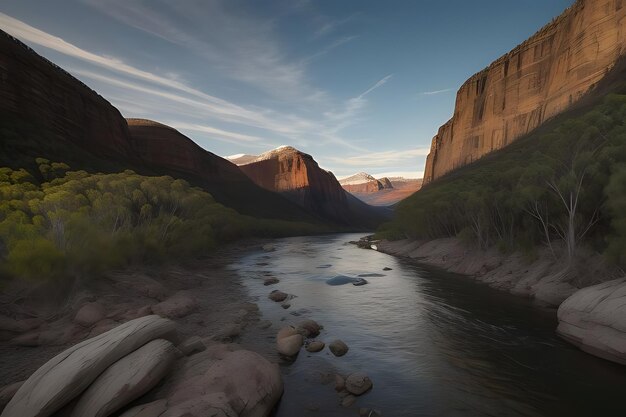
x=76 y=224
x=564 y=186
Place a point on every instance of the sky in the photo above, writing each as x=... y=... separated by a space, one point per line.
x=361 y=85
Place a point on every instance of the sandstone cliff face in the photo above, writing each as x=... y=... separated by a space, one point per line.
x=39 y=94
x=534 y=82
x=289 y=170
x=298 y=177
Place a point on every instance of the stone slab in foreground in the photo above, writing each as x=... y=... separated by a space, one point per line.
x=69 y=373
x=594 y=319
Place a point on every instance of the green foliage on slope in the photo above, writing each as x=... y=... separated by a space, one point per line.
x=565 y=184
x=76 y=224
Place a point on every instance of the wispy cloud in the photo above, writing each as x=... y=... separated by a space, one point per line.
x=378 y=84
x=223 y=134
x=432 y=93
x=339 y=42
x=242 y=46
x=140 y=92
x=384 y=158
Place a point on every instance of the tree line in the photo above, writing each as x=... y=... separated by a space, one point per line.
x=57 y=223
x=563 y=187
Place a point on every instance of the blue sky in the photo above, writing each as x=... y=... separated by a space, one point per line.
x=361 y=85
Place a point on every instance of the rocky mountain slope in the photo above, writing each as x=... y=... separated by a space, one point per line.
x=380 y=192
x=297 y=176
x=362 y=183
x=537 y=80
x=45 y=112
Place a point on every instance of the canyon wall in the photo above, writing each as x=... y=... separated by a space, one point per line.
x=534 y=82
x=287 y=170
x=298 y=177
x=36 y=94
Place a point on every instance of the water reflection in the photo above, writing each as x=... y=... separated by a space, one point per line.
x=435 y=344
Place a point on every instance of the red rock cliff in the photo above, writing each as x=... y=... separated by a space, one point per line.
x=534 y=82
x=297 y=176
x=36 y=92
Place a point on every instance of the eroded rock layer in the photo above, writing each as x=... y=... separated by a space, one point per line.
x=298 y=177
x=535 y=81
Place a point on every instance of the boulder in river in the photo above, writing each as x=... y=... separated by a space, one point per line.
x=127 y=379
x=594 y=319
x=289 y=341
x=340 y=383
x=358 y=383
x=359 y=281
x=308 y=328
x=271 y=281
x=338 y=347
x=69 y=373
x=315 y=346
x=387 y=268
x=278 y=296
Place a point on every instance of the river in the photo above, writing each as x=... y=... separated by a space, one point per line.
x=433 y=343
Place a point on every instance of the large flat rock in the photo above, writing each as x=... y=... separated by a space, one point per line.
x=594 y=319
x=127 y=379
x=235 y=383
x=65 y=376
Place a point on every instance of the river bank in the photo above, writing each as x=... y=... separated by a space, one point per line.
x=590 y=300
x=205 y=300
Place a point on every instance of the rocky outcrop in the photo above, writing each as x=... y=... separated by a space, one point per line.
x=537 y=80
x=594 y=319
x=362 y=183
x=223 y=381
x=386 y=183
x=66 y=375
x=109 y=374
x=127 y=379
x=298 y=177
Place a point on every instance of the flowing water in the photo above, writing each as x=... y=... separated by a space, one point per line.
x=434 y=343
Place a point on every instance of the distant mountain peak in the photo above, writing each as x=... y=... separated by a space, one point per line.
x=356 y=179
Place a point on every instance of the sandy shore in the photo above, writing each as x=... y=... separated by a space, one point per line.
x=203 y=297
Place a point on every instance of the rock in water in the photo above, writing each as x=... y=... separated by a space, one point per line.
x=271 y=281
x=66 y=375
x=315 y=346
x=290 y=345
x=127 y=379
x=278 y=296
x=358 y=383
x=594 y=319
x=338 y=347
x=308 y=328
x=340 y=383
x=359 y=281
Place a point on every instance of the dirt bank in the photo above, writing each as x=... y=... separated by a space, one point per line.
x=540 y=277
x=204 y=298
